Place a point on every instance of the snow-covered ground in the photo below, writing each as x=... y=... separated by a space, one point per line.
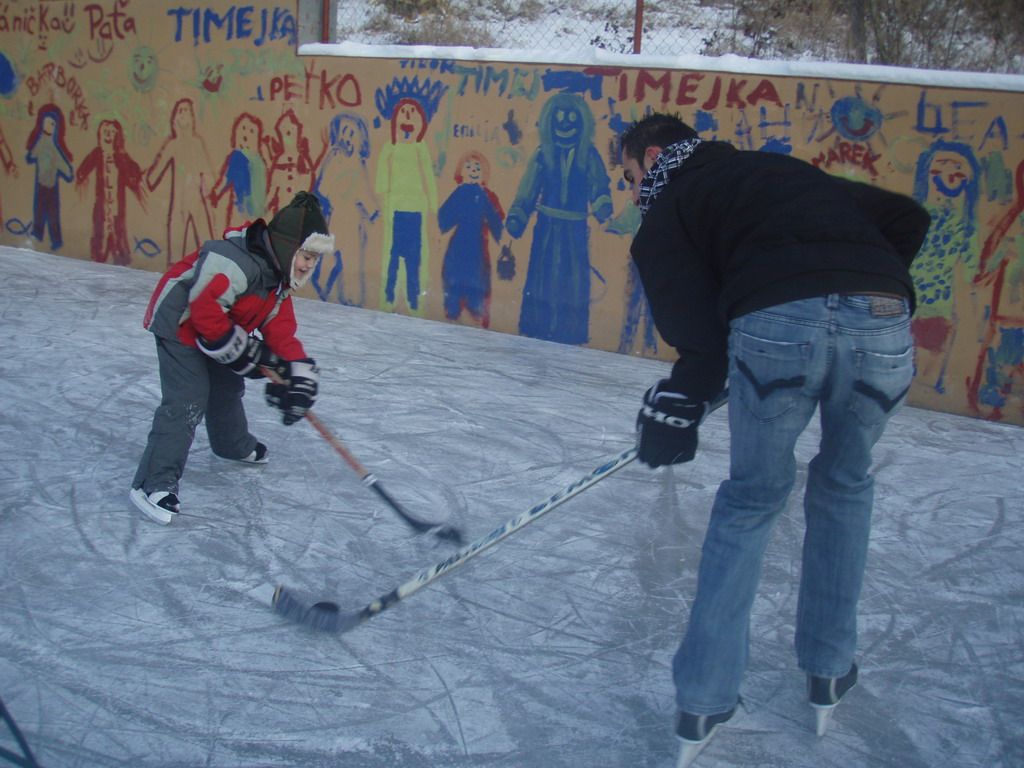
x=123 y=643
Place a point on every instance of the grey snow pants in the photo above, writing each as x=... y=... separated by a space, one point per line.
x=192 y=386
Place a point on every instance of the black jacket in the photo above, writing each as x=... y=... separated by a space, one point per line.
x=734 y=231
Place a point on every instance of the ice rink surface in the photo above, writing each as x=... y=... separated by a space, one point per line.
x=123 y=643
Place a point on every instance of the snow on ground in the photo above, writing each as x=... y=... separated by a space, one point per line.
x=123 y=643
x=581 y=24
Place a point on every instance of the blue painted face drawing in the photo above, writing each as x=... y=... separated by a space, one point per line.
x=566 y=127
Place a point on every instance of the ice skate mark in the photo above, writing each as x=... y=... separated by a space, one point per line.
x=491 y=607
x=884 y=636
x=454 y=706
x=959 y=638
x=992 y=536
x=83 y=527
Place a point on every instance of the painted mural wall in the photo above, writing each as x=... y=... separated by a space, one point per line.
x=472 y=192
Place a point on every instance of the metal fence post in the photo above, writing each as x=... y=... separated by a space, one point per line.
x=638 y=27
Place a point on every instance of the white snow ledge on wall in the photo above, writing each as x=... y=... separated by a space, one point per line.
x=693 y=62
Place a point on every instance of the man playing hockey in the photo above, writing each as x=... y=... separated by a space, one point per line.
x=789 y=289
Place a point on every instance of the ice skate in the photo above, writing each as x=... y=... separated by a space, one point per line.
x=825 y=694
x=258 y=455
x=695 y=731
x=159 y=506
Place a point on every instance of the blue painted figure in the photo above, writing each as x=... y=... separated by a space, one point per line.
x=565 y=182
x=474 y=213
x=243 y=176
x=49 y=153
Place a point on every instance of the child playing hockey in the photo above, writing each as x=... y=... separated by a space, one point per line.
x=205 y=313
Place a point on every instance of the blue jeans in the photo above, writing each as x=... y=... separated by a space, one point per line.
x=852 y=356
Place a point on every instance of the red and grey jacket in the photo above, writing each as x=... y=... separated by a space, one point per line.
x=226 y=282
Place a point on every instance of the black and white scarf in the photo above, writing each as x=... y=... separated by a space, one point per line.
x=658 y=176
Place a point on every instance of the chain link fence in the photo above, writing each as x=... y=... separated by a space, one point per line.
x=959 y=36
x=667 y=28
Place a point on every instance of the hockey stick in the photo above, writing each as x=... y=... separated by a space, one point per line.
x=329 y=617
x=443 y=532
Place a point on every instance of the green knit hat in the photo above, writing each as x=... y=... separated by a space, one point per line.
x=300 y=224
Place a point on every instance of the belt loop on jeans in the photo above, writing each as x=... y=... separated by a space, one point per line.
x=832 y=300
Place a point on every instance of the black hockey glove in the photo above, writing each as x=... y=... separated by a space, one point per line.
x=297 y=393
x=667 y=426
x=244 y=354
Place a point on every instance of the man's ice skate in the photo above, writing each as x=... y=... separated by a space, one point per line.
x=825 y=693
x=694 y=733
x=159 y=506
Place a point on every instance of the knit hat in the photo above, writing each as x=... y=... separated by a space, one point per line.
x=298 y=226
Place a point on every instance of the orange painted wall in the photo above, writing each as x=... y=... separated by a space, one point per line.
x=131 y=131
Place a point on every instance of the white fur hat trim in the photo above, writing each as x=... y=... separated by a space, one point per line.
x=318 y=243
